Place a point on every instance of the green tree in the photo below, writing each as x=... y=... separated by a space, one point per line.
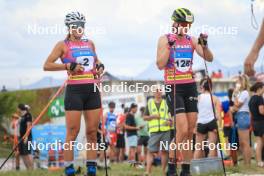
x=7 y=105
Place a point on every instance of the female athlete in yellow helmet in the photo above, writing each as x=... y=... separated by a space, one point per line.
x=175 y=57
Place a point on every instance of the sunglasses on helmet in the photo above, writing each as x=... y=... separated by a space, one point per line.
x=77 y=25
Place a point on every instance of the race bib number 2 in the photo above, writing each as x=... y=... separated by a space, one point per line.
x=86 y=61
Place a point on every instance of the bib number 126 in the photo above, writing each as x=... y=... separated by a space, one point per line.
x=183 y=65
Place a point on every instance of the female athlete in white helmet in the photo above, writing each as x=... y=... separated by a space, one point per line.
x=79 y=59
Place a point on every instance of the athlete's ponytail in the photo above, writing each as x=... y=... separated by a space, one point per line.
x=205 y=84
x=68 y=36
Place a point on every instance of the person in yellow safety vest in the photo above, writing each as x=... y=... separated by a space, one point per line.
x=159 y=123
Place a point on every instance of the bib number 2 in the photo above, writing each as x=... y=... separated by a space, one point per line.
x=86 y=61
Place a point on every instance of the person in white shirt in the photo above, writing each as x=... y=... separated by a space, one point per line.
x=241 y=99
x=206 y=122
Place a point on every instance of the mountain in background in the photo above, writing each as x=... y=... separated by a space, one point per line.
x=150 y=73
x=48 y=82
x=45 y=82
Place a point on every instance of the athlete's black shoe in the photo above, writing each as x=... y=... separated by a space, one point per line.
x=185 y=174
x=171 y=174
x=172 y=171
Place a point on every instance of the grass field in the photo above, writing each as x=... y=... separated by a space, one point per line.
x=126 y=170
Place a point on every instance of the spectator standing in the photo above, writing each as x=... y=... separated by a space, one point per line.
x=241 y=100
x=256 y=106
x=159 y=122
x=143 y=136
x=121 y=144
x=110 y=130
x=131 y=130
x=206 y=123
x=228 y=121
x=25 y=124
x=233 y=135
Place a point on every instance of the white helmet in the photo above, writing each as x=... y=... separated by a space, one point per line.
x=74 y=17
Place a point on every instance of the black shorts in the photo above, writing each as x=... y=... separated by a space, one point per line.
x=186 y=98
x=208 y=127
x=82 y=97
x=258 y=128
x=24 y=148
x=99 y=138
x=227 y=131
x=120 y=143
x=143 y=140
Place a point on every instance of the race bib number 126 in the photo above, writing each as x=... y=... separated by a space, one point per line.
x=183 y=64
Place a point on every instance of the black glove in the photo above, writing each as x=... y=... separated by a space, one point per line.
x=202 y=40
x=73 y=65
x=98 y=66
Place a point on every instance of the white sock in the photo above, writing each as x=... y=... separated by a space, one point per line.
x=67 y=163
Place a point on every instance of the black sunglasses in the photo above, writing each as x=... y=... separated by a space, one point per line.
x=77 y=25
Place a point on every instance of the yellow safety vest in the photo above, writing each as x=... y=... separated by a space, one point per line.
x=158 y=125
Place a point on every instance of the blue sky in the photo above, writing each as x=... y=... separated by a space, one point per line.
x=125 y=32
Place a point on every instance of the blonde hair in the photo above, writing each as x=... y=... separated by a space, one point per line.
x=15 y=115
x=245 y=84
